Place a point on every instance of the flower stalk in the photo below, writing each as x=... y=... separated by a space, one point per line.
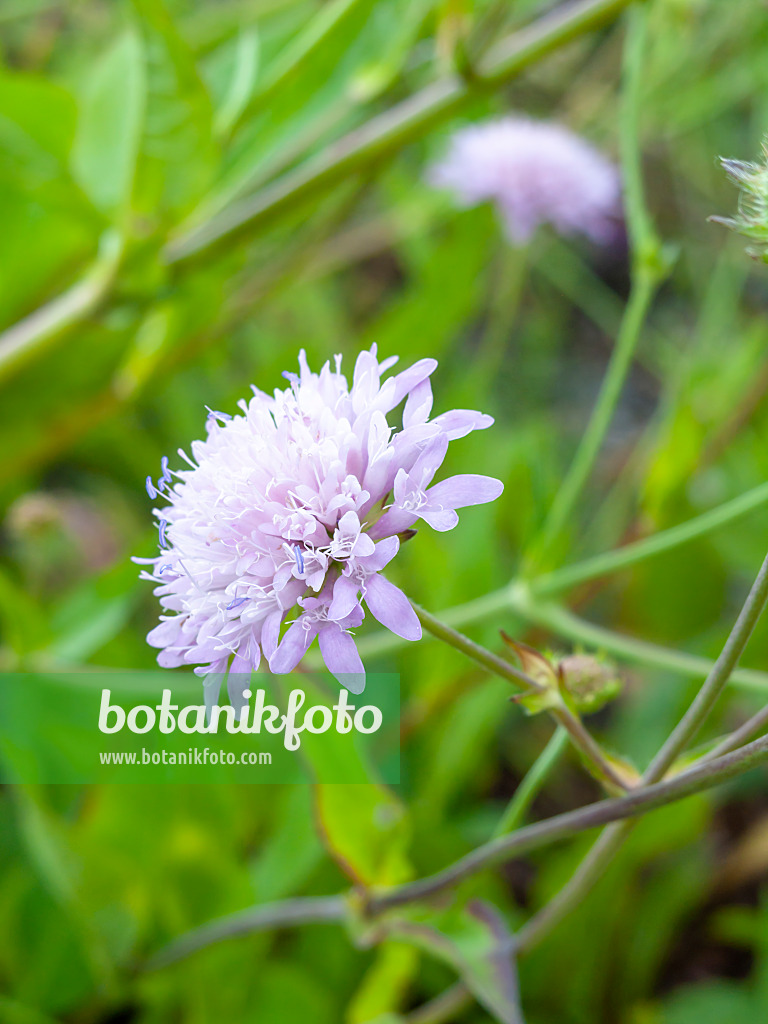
x=532 y=783
x=321 y=909
x=651 y=264
x=591 y=868
x=549 y=697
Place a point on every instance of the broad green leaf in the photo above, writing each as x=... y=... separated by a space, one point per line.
x=37 y=125
x=375 y=77
x=179 y=154
x=93 y=613
x=23 y=627
x=716 y=1003
x=291 y=852
x=242 y=81
x=48 y=223
x=12 y=1012
x=385 y=984
x=477 y=943
x=49 y=851
x=110 y=125
x=366 y=831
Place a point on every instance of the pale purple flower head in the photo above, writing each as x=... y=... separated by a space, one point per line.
x=536 y=172
x=289 y=512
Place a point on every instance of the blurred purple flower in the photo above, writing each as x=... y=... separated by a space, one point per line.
x=536 y=172
x=297 y=505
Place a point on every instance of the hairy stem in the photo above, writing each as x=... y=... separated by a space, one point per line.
x=752 y=727
x=716 y=681
x=476 y=652
x=518 y=599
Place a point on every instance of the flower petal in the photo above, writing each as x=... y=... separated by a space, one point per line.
x=166 y=633
x=430 y=460
x=465 y=489
x=460 y=422
x=344 y=598
x=418 y=405
x=384 y=552
x=439 y=518
x=363 y=547
x=408 y=379
x=341 y=657
x=392 y=608
x=392 y=522
x=270 y=631
x=292 y=647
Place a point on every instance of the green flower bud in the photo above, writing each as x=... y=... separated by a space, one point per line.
x=589 y=681
x=751 y=218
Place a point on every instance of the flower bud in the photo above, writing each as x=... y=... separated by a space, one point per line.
x=751 y=218
x=583 y=681
x=589 y=681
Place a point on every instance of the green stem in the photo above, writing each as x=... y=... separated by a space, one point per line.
x=716 y=681
x=483 y=657
x=587 y=874
x=386 y=134
x=565 y=624
x=562 y=826
x=754 y=725
x=518 y=598
x=648 y=271
x=503 y=307
x=477 y=610
x=590 y=749
x=631 y=554
x=29 y=337
x=444 y=1007
x=319 y=909
x=268 y=916
x=309 y=41
x=602 y=415
x=567 y=718
x=531 y=785
x=593 y=865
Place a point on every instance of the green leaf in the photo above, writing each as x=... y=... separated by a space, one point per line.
x=45 y=839
x=384 y=985
x=710 y=1004
x=366 y=831
x=477 y=943
x=375 y=77
x=110 y=124
x=291 y=852
x=37 y=124
x=23 y=627
x=242 y=82
x=12 y=1012
x=179 y=154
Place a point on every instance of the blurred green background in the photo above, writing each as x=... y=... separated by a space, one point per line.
x=125 y=129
